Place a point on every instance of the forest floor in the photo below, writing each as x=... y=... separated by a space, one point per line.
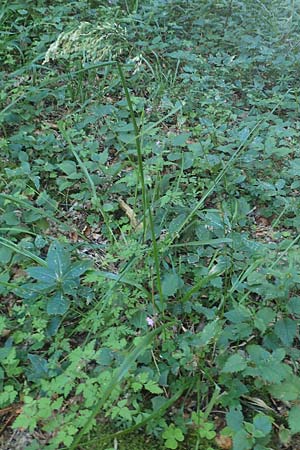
x=149 y=224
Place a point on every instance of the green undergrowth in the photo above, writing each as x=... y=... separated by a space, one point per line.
x=149 y=224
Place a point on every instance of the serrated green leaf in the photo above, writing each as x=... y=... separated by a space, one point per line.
x=171 y=283
x=266 y=365
x=286 y=330
x=288 y=390
x=152 y=387
x=294 y=306
x=294 y=419
x=209 y=332
x=68 y=167
x=235 y=363
x=263 y=317
x=258 y=354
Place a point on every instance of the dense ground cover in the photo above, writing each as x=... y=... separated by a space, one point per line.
x=149 y=224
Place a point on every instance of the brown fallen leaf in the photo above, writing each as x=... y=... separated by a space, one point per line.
x=224 y=442
x=130 y=214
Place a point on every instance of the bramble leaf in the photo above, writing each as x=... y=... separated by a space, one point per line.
x=235 y=363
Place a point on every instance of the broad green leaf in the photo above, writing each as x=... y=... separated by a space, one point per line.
x=39 y=368
x=294 y=306
x=238 y=314
x=14 y=247
x=294 y=419
x=42 y=274
x=242 y=441
x=104 y=356
x=171 y=443
x=286 y=330
x=53 y=325
x=284 y=436
x=263 y=424
x=267 y=365
x=209 y=332
x=258 y=354
x=58 y=259
x=58 y=304
x=5 y=255
x=178 y=435
x=176 y=223
x=68 y=167
x=235 y=363
x=263 y=317
x=172 y=436
x=180 y=139
x=188 y=160
x=77 y=269
x=171 y=283
x=10 y=218
x=288 y=390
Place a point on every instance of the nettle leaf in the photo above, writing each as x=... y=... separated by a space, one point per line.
x=288 y=390
x=238 y=314
x=263 y=318
x=294 y=419
x=58 y=304
x=286 y=330
x=267 y=366
x=294 y=306
x=235 y=363
x=171 y=283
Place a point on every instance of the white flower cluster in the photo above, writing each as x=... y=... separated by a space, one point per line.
x=89 y=42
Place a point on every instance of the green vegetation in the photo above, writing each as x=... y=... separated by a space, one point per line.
x=149 y=224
